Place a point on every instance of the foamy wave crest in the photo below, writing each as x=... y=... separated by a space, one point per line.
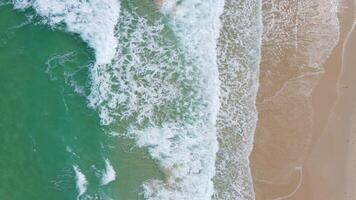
x=154 y=80
x=22 y=4
x=109 y=174
x=238 y=58
x=167 y=91
x=81 y=181
x=93 y=20
x=197 y=24
x=164 y=85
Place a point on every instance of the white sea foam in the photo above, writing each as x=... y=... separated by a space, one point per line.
x=81 y=181
x=93 y=20
x=164 y=87
x=168 y=94
x=310 y=27
x=109 y=174
x=167 y=90
x=22 y=4
x=238 y=58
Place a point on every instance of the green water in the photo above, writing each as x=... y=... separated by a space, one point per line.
x=46 y=127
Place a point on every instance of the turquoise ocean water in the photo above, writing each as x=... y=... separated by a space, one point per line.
x=46 y=127
x=129 y=99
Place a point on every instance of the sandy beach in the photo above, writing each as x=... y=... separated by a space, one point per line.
x=351 y=143
x=304 y=140
x=330 y=167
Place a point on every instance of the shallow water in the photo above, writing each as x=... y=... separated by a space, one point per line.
x=107 y=99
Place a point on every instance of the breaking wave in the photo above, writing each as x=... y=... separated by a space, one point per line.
x=109 y=174
x=157 y=79
x=81 y=181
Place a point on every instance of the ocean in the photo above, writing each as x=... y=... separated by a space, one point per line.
x=128 y=99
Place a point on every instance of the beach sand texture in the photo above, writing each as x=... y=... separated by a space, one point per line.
x=304 y=113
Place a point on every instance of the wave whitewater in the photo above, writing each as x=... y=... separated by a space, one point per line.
x=161 y=80
x=239 y=58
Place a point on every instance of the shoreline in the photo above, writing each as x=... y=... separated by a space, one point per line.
x=329 y=164
x=301 y=177
x=282 y=161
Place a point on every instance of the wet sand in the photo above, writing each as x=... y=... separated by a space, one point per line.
x=304 y=138
x=330 y=167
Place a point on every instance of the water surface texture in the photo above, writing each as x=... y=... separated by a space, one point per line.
x=129 y=99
